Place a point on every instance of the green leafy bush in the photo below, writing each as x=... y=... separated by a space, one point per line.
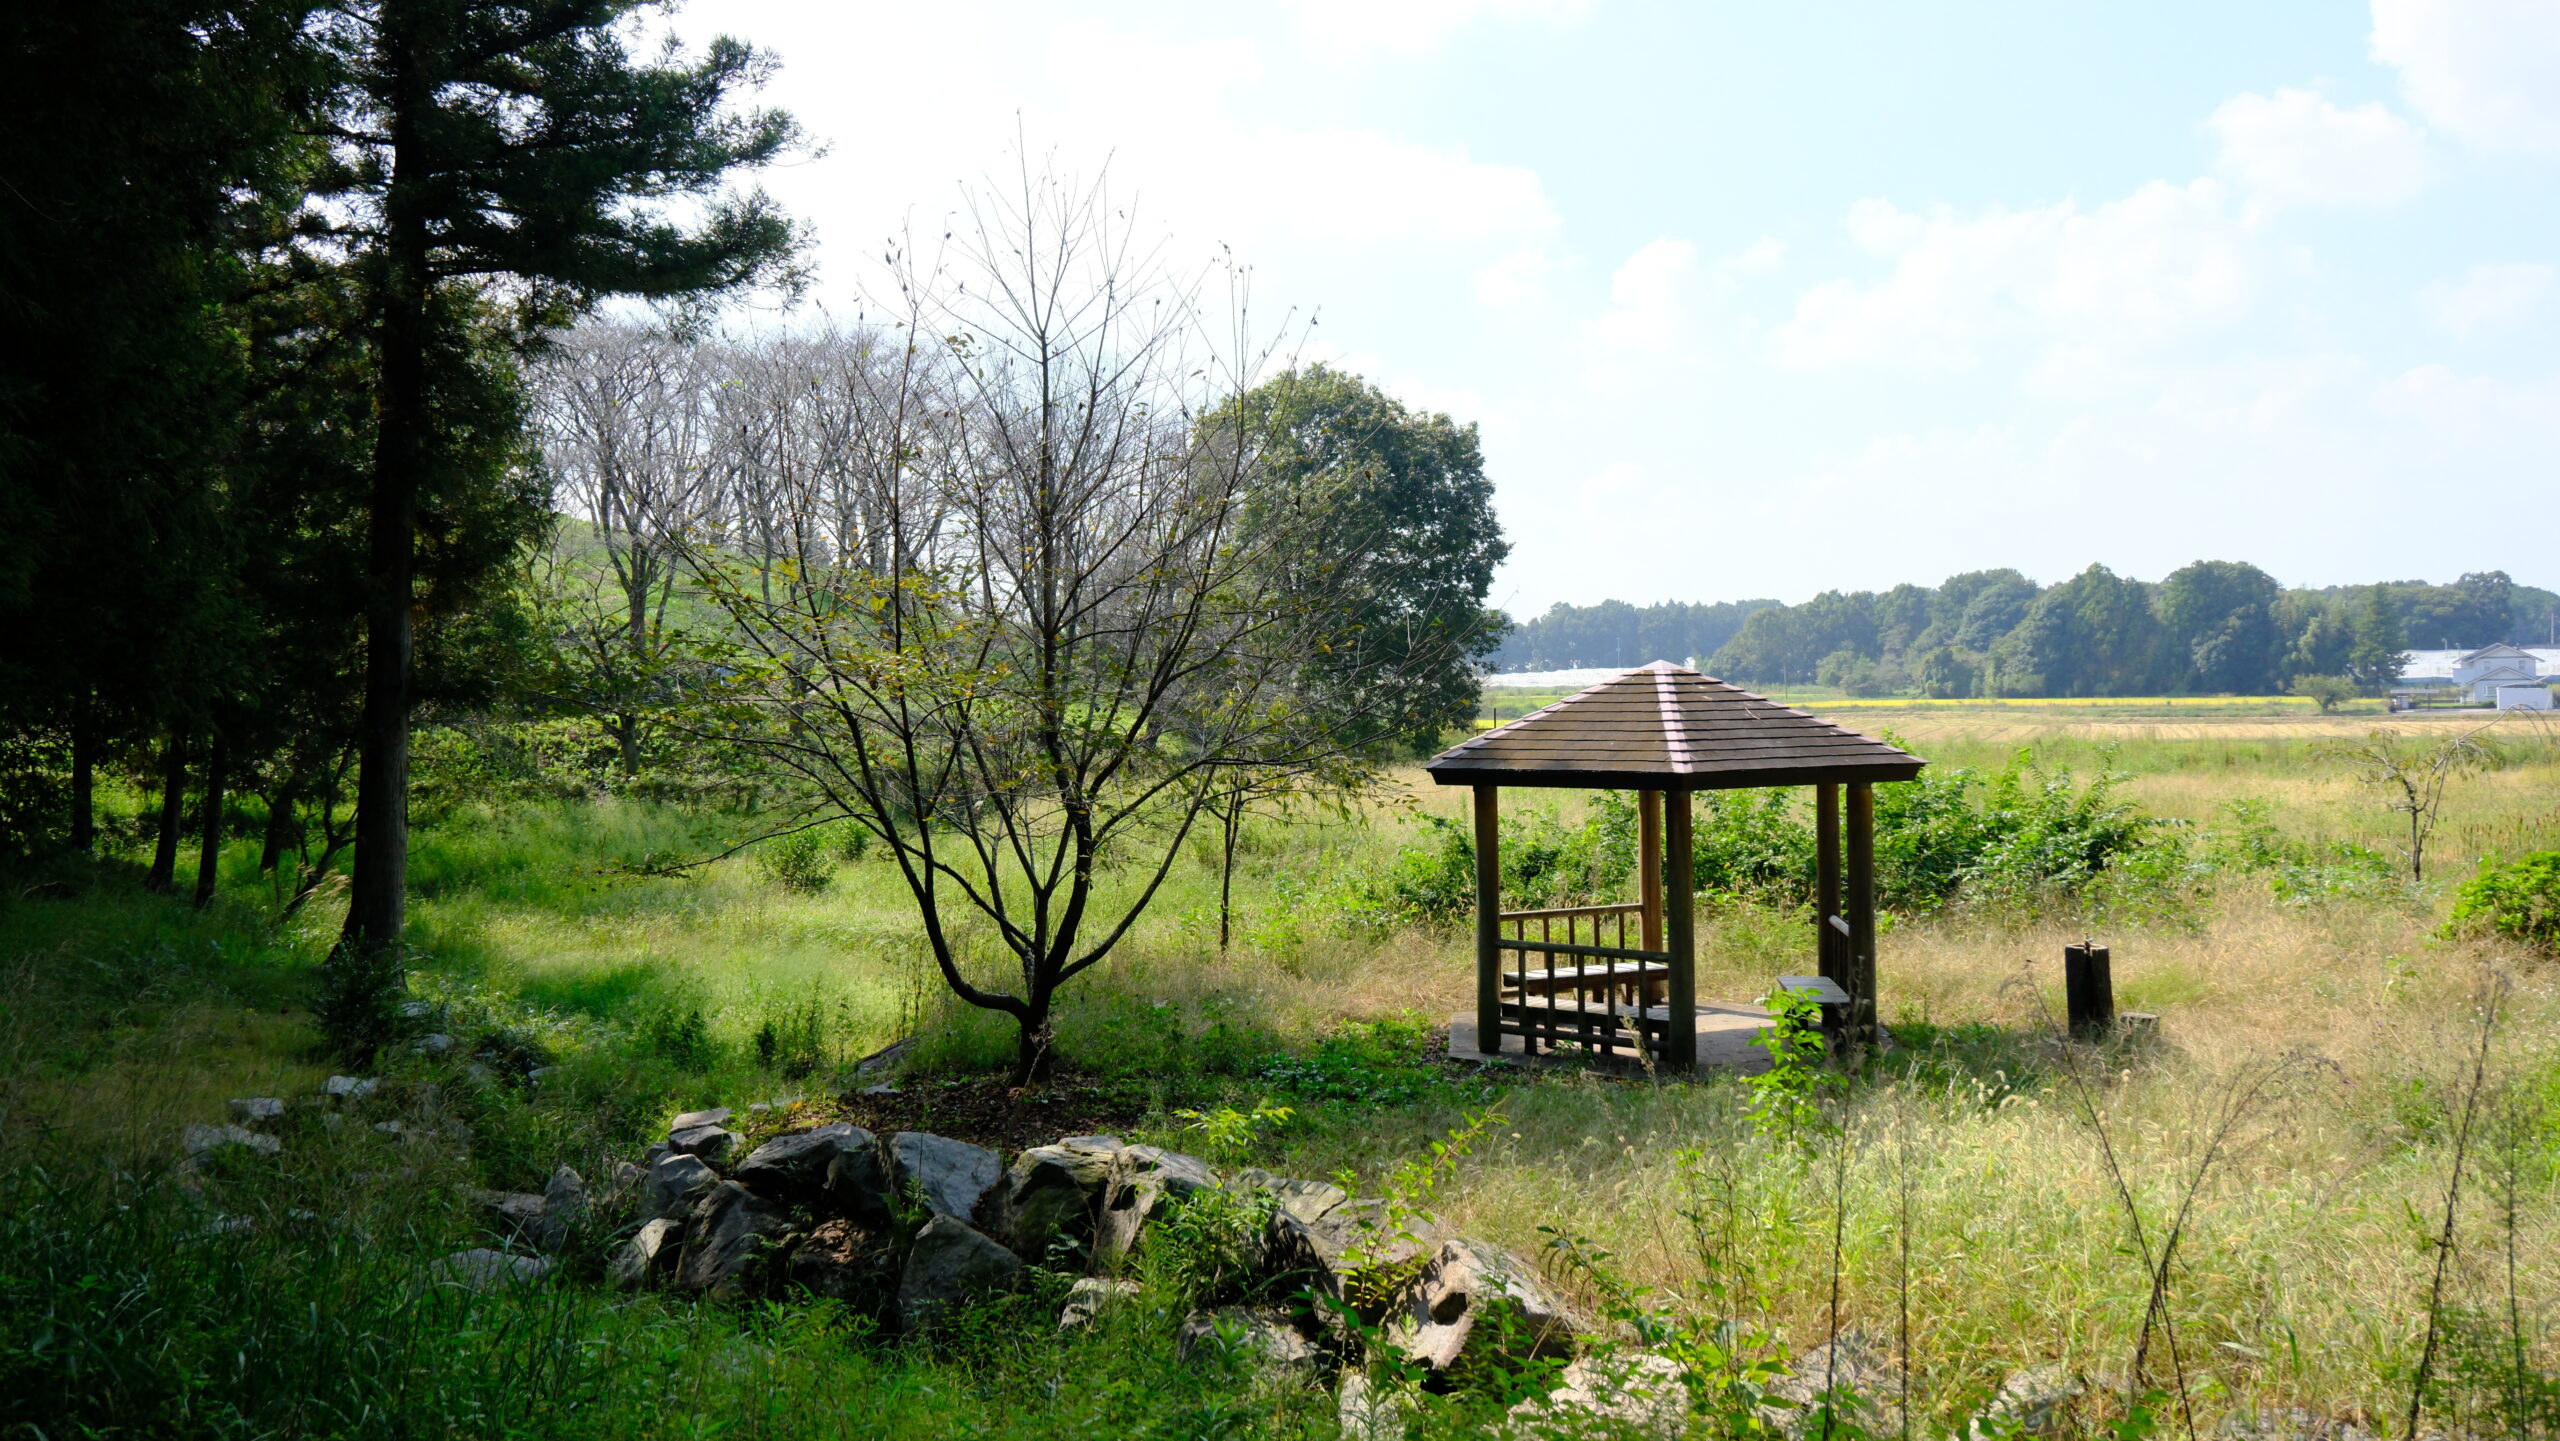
x=797 y=862
x=2519 y=901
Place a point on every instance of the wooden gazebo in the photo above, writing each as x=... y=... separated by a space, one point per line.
x=1663 y=732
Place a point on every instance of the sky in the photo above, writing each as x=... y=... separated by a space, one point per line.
x=1763 y=300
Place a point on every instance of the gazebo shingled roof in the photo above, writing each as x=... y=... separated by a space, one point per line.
x=1666 y=727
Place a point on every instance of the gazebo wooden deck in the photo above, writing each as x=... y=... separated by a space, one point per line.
x=1663 y=732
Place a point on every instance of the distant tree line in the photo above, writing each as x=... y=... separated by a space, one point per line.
x=2210 y=627
x=1616 y=633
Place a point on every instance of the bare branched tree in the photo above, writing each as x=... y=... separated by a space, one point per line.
x=2412 y=774
x=995 y=592
x=626 y=424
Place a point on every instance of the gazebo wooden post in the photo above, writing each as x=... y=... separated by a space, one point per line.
x=1830 y=944
x=1862 y=913
x=1680 y=1033
x=1489 y=920
x=1649 y=864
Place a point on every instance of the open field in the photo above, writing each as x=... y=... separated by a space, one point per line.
x=2312 y=1069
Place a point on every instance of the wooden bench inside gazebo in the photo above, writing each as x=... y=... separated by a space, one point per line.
x=1569 y=978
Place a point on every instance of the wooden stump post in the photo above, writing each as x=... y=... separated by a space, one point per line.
x=2089 y=990
x=1680 y=1036
x=1861 y=906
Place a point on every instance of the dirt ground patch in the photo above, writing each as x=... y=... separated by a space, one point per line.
x=989 y=1113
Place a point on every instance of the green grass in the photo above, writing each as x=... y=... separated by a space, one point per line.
x=123 y=1016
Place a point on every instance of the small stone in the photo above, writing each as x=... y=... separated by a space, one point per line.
x=880 y=1088
x=676 y=1183
x=2033 y=1399
x=1257 y=1334
x=519 y=1215
x=348 y=1088
x=692 y=1120
x=951 y=1262
x=534 y=1076
x=257 y=1110
x=204 y=1140
x=711 y=1143
x=649 y=1254
x=392 y=1128
x=1087 y=1297
x=416 y=1010
x=433 y=1044
x=949 y=1177
x=483 y=1269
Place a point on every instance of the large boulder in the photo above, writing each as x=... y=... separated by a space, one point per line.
x=1052 y=1192
x=648 y=1255
x=794 y=1167
x=733 y=1230
x=676 y=1184
x=519 y=1216
x=1259 y=1336
x=564 y=1198
x=1351 y=1252
x=951 y=1262
x=483 y=1269
x=1143 y=1180
x=1474 y=1301
x=1609 y=1398
x=949 y=1177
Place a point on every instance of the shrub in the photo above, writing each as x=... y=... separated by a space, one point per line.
x=2519 y=901
x=797 y=862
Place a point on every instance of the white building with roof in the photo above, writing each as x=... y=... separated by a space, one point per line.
x=2482 y=671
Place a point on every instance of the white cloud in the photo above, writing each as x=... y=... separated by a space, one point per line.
x=2297 y=147
x=2488 y=297
x=2485 y=70
x=2159 y=265
x=1413 y=27
x=1649 y=298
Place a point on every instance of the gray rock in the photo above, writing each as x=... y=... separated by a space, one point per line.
x=711 y=1143
x=1087 y=1297
x=1447 y=1320
x=628 y=1181
x=2032 y=1400
x=949 y=1177
x=1864 y=1387
x=520 y=1215
x=201 y=1140
x=1143 y=1180
x=433 y=1044
x=880 y=1088
x=1307 y=1200
x=648 y=1255
x=482 y=1269
x=858 y=1184
x=2293 y=1424
x=1368 y=1412
x=733 y=1230
x=655 y=1154
x=1324 y=1254
x=416 y=1010
x=564 y=1196
x=794 y=1167
x=257 y=1110
x=1052 y=1193
x=348 y=1089
x=1609 y=1398
x=534 y=1076
x=950 y=1262
x=1260 y=1336
x=691 y=1120
x=676 y=1183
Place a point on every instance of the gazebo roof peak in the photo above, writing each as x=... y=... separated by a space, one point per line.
x=1666 y=727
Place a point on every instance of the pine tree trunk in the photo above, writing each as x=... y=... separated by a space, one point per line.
x=209 y=855
x=279 y=820
x=173 y=803
x=377 y=893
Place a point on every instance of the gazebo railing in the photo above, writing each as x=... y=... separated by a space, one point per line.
x=1613 y=988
